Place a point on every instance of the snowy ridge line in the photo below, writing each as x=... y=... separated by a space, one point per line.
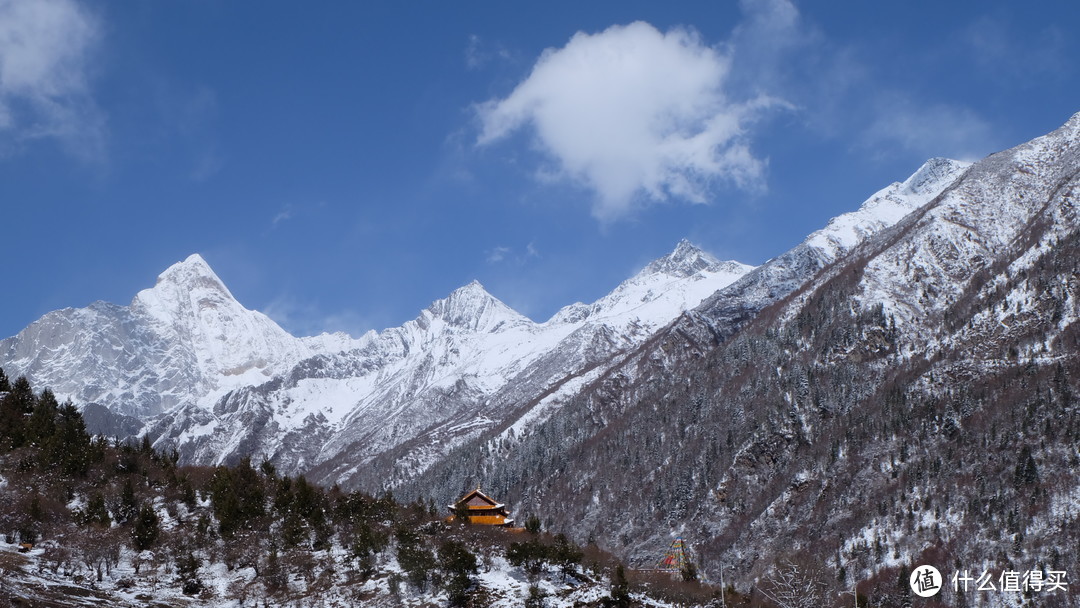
x=217 y=381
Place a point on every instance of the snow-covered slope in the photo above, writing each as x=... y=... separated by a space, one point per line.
x=728 y=309
x=409 y=394
x=218 y=381
x=721 y=314
x=185 y=340
x=885 y=411
x=135 y=580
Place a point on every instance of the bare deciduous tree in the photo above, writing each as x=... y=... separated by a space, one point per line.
x=795 y=586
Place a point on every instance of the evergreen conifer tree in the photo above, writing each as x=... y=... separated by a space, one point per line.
x=146 y=529
x=127 y=507
x=187 y=569
x=532 y=524
x=70 y=446
x=41 y=425
x=620 y=589
x=14 y=408
x=458 y=564
x=96 y=514
x=1026 y=472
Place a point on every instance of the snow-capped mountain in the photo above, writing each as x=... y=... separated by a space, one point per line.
x=697 y=331
x=185 y=340
x=728 y=309
x=899 y=388
x=218 y=381
x=910 y=400
x=409 y=394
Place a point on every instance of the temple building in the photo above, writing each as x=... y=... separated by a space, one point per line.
x=479 y=508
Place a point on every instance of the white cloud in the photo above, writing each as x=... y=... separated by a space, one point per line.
x=44 y=51
x=497 y=254
x=306 y=318
x=837 y=92
x=511 y=255
x=474 y=56
x=479 y=53
x=286 y=213
x=928 y=130
x=635 y=115
x=1008 y=57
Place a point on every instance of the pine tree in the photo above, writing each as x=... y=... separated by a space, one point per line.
x=146 y=447
x=96 y=514
x=308 y=502
x=293 y=531
x=1026 y=472
x=15 y=405
x=689 y=572
x=529 y=555
x=187 y=569
x=414 y=558
x=41 y=425
x=367 y=543
x=127 y=506
x=146 y=529
x=620 y=589
x=566 y=554
x=276 y=577
x=458 y=564
x=69 y=447
x=268 y=469
x=237 y=497
x=283 y=496
x=532 y=524
x=461 y=511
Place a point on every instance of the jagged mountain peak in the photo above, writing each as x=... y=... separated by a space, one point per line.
x=473 y=286
x=685 y=249
x=473 y=307
x=188 y=277
x=928 y=177
x=686 y=259
x=680 y=279
x=191 y=309
x=192 y=272
x=886 y=207
x=186 y=289
x=1073 y=122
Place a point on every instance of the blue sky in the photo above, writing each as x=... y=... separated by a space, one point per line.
x=341 y=165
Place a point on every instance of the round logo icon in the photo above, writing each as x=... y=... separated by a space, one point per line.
x=926 y=581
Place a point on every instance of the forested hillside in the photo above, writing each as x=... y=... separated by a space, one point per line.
x=913 y=403
x=88 y=521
